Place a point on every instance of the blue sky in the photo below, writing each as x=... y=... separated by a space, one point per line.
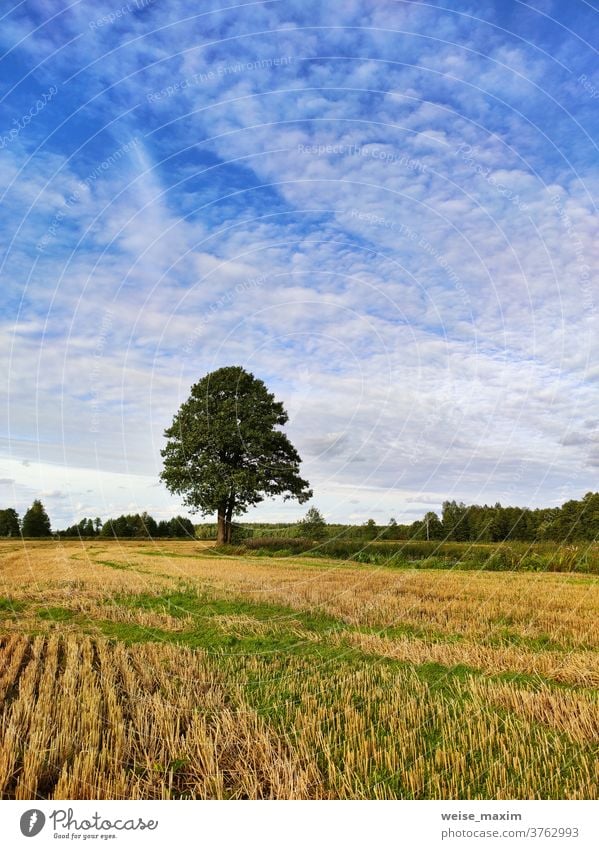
x=386 y=210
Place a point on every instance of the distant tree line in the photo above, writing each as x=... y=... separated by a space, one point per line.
x=85 y=528
x=35 y=522
x=132 y=526
x=574 y=520
x=143 y=526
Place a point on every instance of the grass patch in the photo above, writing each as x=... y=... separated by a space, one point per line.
x=9 y=605
x=113 y=564
x=197 y=553
x=203 y=607
x=278 y=644
x=56 y=614
x=404 y=629
x=542 y=642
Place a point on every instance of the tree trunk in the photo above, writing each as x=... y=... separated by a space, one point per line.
x=221 y=530
x=228 y=518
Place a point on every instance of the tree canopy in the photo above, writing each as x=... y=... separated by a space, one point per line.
x=36 y=522
x=84 y=528
x=144 y=526
x=313 y=524
x=225 y=452
x=9 y=523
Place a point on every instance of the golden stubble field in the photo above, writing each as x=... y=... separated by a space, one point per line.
x=157 y=670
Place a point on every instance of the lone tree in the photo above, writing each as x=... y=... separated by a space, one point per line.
x=36 y=522
x=225 y=452
x=313 y=524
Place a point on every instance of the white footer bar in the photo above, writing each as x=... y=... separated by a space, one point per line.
x=305 y=825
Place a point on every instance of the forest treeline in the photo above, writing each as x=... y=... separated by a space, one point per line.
x=36 y=523
x=576 y=520
x=133 y=526
x=459 y=522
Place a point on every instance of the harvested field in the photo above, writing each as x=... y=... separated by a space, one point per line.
x=137 y=670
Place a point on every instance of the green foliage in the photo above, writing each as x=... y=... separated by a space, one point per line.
x=313 y=525
x=206 y=530
x=239 y=534
x=456 y=524
x=36 y=522
x=430 y=528
x=9 y=523
x=575 y=520
x=136 y=526
x=10 y=605
x=370 y=530
x=224 y=451
x=178 y=528
x=546 y=557
x=83 y=529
